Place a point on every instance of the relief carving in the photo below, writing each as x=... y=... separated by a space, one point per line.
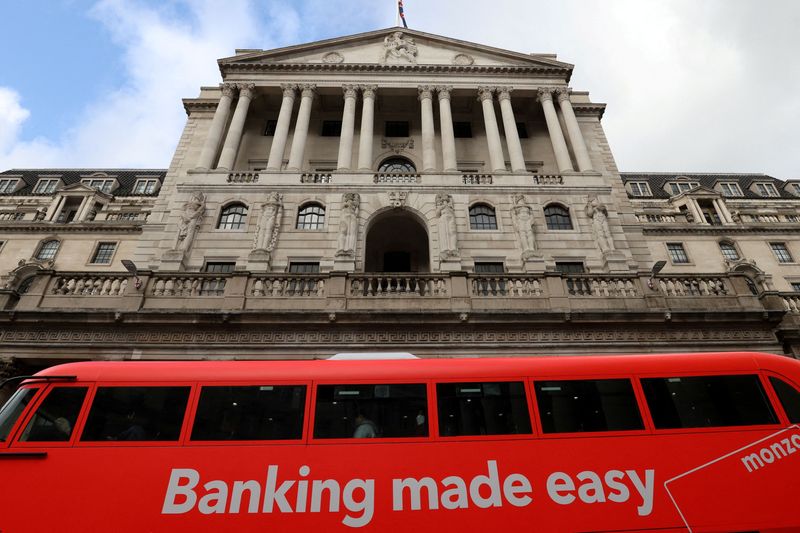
x=448 y=233
x=398 y=147
x=190 y=218
x=522 y=217
x=269 y=224
x=348 y=225
x=398 y=199
x=398 y=47
x=463 y=60
x=333 y=57
x=598 y=213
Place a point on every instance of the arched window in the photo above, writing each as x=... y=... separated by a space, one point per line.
x=557 y=217
x=233 y=216
x=397 y=164
x=311 y=216
x=729 y=251
x=481 y=216
x=48 y=250
x=25 y=285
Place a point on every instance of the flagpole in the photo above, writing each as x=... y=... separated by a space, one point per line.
x=397 y=14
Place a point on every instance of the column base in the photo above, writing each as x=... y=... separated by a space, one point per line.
x=259 y=260
x=614 y=261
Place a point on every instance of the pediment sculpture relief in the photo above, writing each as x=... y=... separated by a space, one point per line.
x=463 y=60
x=333 y=57
x=397 y=47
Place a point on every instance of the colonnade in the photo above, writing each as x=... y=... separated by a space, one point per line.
x=426 y=93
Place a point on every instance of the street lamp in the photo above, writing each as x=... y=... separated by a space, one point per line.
x=658 y=267
x=131 y=267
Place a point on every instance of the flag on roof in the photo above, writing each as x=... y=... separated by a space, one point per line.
x=401 y=13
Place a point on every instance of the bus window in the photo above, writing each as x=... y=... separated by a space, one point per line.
x=789 y=397
x=56 y=416
x=369 y=411
x=498 y=408
x=136 y=414
x=13 y=409
x=265 y=412
x=707 y=401
x=587 y=405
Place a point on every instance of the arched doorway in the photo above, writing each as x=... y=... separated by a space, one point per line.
x=397 y=242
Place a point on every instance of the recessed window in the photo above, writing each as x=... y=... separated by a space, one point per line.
x=482 y=216
x=486 y=267
x=104 y=253
x=45 y=186
x=396 y=128
x=48 y=250
x=796 y=188
x=482 y=408
x=682 y=186
x=640 y=188
x=522 y=130
x=462 y=130
x=795 y=286
x=233 y=216
x=219 y=267
x=216 y=286
x=399 y=165
x=331 y=128
x=767 y=189
x=8 y=185
x=557 y=217
x=729 y=251
x=103 y=185
x=731 y=190
x=677 y=253
x=311 y=216
x=781 y=252
x=570 y=267
x=269 y=129
x=145 y=186
x=303 y=267
x=587 y=405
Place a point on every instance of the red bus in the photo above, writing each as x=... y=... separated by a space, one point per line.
x=695 y=442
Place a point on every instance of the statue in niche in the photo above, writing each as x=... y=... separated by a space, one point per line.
x=190 y=219
x=269 y=223
x=398 y=46
x=598 y=213
x=348 y=225
x=448 y=234
x=522 y=217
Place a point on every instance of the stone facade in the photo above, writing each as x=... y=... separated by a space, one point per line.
x=394 y=190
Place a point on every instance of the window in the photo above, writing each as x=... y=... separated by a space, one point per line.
x=103 y=253
x=677 y=254
x=570 y=267
x=707 y=401
x=263 y=412
x=48 y=250
x=55 y=418
x=45 y=186
x=8 y=186
x=481 y=216
x=489 y=268
x=311 y=216
x=219 y=267
x=396 y=128
x=557 y=217
x=145 y=186
x=767 y=189
x=25 y=285
x=587 y=405
x=640 y=188
x=789 y=397
x=12 y=410
x=304 y=268
x=489 y=286
x=370 y=411
x=781 y=252
x=795 y=286
x=495 y=408
x=462 y=130
x=233 y=216
x=731 y=190
x=269 y=129
x=103 y=185
x=136 y=414
x=397 y=164
x=729 y=251
x=216 y=286
x=683 y=186
x=331 y=128
x=522 y=130
x=796 y=187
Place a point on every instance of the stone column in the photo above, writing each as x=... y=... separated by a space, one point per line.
x=449 y=162
x=486 y=96
x=209 y=153
x=301 y=128
x=428 y=148
x=281 y=128
x=574 y=131
x=510 y=126
x=54 y=208
x=723 y=212
x=365 y=140
x=554 y=127
x=348 y=123
x=696 y=211
x=228 y=156
x=86 y=206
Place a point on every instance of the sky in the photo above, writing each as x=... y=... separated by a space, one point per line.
x=691 y=85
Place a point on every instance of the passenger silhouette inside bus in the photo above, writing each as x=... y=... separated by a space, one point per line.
x=365 y=428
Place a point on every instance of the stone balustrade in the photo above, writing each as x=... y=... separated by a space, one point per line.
x=388 y=285
x=791 y=302
x=507 y=285
x=397 y=177
x=288 y=286
x=692 y=285
x=182 y=285
x=316 y=177
x=477 y=179
x=548 y=179
x=89 y=285
x=659 y=218
x=243 y=177
x=601 y=286
x=138 y=216
x=11 y=216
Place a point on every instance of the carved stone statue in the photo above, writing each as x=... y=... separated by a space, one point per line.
x=348 y=225
x=398 y=46
x=448 y=234
x=598 y=213
x=190 y=218
x=269 y=223
x=522 y=217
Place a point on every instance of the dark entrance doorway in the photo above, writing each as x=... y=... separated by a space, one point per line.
x=397 y=242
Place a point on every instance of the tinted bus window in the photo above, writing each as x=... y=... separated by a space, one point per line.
x=56 y=416
x=136 y=414
x=587 y=405
x=498 y=408
x=266 y=412
x=369 y=411
x=13 y=409
x=789 y=397
x=707 y=401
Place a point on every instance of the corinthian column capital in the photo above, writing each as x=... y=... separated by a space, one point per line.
x=563 y=94
x=504 y=93
x=289 y=89
x=369 y=91
x=350 y=91
x=246 y=89
x=425 y=91
x=444 y=91
x=485 y=93
x=228 y=89
x=545 y=94
x=308 y=90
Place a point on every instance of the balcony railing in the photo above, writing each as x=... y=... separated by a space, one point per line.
x=477 y=179
x=548 y=179
x=316 y=177
x=397 y=177
x=243 y=177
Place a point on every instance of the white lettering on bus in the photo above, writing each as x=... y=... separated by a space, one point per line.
x=771 y=453
x=561 y=488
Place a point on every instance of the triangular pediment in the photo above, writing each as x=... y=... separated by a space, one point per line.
x=396 y=46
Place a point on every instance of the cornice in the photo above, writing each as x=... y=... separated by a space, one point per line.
x=25 y=226
x=719 y=230
x=589 y=109
x=242 y=67
x=199 y=104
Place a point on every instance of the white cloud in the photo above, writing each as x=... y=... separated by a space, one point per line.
x=12 y=115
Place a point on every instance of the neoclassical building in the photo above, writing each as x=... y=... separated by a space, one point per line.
x=395 y=191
